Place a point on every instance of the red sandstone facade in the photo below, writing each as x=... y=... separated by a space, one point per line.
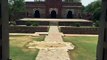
x=60 y=8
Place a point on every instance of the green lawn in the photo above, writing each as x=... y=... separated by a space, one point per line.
x=18 y=51
x=85 y=47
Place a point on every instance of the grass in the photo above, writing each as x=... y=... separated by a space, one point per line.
x=85 y=47
x=19 y=52
x=41 y=38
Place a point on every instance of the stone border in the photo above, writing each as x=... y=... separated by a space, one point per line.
x=28 y=29
x=79 y=30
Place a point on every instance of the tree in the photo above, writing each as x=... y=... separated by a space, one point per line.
x=16 y=6
x=92 y=6
x=77 y=1
x=95 y=8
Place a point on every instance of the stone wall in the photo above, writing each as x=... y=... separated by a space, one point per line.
x=25 y=23
x=60 y=23
x=31 y=12
x=45 y=8
x=75 y=12
x=79 y=30
x=27 y=29
x=75 y=23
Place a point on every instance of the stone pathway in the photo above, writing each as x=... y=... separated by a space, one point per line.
x=53 y=47
x=53 y=54
x=54 y=35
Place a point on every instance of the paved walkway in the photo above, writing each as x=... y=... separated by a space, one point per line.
x=53 y=54
x=54 y=35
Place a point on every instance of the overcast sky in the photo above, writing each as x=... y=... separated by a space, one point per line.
x=84 y=2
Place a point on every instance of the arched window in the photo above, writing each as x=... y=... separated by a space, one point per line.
x=53 y=14
x=37 y=14
x=69 y=14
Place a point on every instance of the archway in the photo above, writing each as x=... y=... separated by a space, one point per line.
x=37 y=14
x=53 y=14
x=69 y=14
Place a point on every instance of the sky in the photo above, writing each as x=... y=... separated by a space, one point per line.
x=84 y=2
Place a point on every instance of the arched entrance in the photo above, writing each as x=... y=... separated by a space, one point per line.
x=37 y=14
x=53 y=14
x=69 y=14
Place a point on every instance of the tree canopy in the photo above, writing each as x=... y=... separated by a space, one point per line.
x=95 y=9
x=77 y=0
x=16 y=5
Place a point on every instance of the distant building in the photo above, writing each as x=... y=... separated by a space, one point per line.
x=53 y=9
